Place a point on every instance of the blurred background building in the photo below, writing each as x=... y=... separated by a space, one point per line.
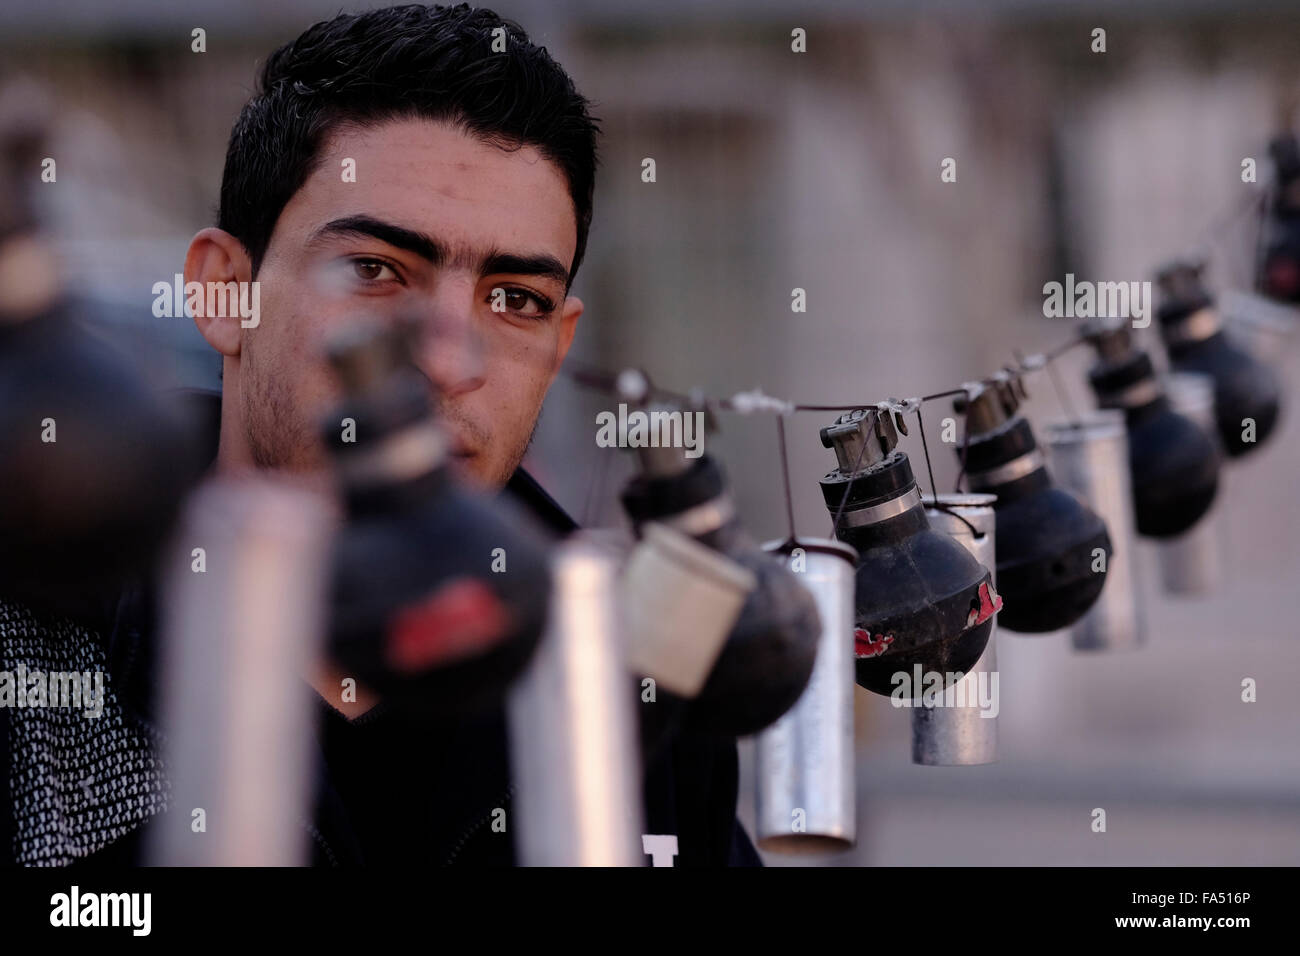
x=820 y=171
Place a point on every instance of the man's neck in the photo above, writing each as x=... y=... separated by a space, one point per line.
x=235 y=458
x=328 y=680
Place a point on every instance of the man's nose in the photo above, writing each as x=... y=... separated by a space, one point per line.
x=450 y=352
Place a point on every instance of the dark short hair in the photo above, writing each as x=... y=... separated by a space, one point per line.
x=432 y=62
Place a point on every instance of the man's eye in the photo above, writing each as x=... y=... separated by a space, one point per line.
x=521 y=302
x=373 y=270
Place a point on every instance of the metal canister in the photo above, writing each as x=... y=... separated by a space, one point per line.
x=1090 y=458
x=1189 y=563
x=573 y=747
x=806 y=792
x=965 y=733
x=243 y=623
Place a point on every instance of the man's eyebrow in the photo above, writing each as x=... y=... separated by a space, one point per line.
x=542 y=266
x=426 y=247
x=436 y=253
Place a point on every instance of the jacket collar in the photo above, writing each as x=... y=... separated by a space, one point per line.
x=524 y=488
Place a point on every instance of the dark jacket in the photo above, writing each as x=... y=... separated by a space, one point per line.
x=390 y=792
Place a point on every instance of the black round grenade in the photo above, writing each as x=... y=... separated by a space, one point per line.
x=94 y=459
x=1046 y=537
x=920 y=597
x=769 y=653
x=94 y=463
x=1244 y=389
x=1173 y=463
x=419 y=612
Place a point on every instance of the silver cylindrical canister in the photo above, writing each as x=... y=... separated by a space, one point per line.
x=1090 y=458
x=572 y=742
x=242 y=623
x=806 y=800
x=1189 y=563
x=961 y=728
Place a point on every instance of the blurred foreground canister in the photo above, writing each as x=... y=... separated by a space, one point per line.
x=572 y=741
x=243 y=624
x=806 y=800
x=961 y=735
x=1090 y=457
x=1189 y=563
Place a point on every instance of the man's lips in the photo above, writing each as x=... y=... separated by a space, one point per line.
x=457 y=448
x=460 y=447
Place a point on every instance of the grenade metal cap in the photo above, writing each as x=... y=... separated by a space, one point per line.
x=1182 y=289
x=1112 y=338
x=659 y=458
x=861 y=438
x=990 y=405
x=1124 y=376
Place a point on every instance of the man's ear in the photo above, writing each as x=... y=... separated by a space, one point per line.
x=217 y=256
x=569 y=315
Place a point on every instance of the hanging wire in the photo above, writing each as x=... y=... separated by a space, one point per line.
x=965 y=444
x=756 y=402
x=785 y=474
x=952 y=510
x=951 y=391
x=1062 y=395
x=832 y=408
x=934 y=488
x=1053 y=354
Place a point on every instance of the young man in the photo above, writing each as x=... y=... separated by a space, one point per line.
x=408 y=162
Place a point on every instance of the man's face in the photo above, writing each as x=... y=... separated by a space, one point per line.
x=436 y=222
